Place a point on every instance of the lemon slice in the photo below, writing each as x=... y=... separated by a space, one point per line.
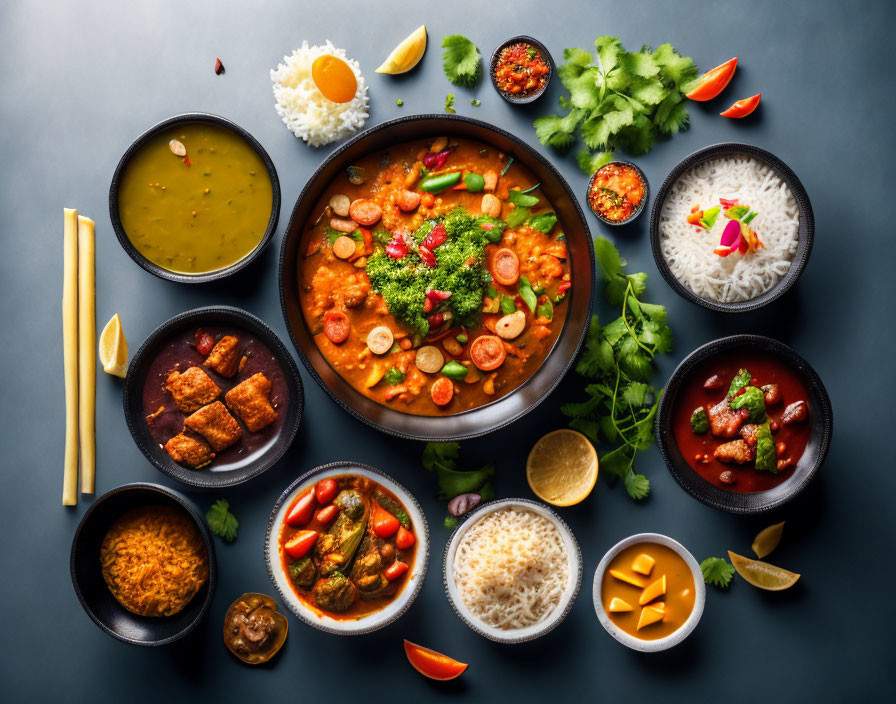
x=114 y=348
x=762 y=574
x=768 y=539
x=407 y=54
x=562 y=468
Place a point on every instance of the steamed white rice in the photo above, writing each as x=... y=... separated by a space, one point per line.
x=689 y=253
x=304 y=109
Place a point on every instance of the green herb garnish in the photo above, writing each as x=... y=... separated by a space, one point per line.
x=475 y=102
x=460 y=60
x=449 y=103
x=222 y=521
x=393 y=376
x=618 y=362
x=399 y=102
x=717 y=571
x=441 y=458
x=620 y=100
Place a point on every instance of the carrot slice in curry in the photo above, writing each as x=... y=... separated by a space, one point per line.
x=487 y=352
x=442 y=391
x=336 y=326
x=506 y=267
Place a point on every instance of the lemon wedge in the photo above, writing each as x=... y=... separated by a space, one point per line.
x=114 y=348
x=407 y=54
x=562 y=468
x=768 y=540
x=762 y=574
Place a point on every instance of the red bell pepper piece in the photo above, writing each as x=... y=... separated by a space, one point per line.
x=397 y=249
x=437 y=236
x=427 y=256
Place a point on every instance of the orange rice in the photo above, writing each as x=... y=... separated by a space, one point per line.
x=154 y=560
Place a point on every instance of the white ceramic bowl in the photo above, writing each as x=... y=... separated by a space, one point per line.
x=573 y=583
x=650 y=646
x=280 y=580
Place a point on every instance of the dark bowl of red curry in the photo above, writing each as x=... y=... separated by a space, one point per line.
x=537 y=68
x=690 y=456
x=503 y=411
x=172 y=344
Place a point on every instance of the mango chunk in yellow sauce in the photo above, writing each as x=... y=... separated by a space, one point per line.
x=664 y=604
x=643 y=564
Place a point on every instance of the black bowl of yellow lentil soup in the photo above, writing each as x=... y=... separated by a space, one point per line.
x=195 y=198
x=416 y=297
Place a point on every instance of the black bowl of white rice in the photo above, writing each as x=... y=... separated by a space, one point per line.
x=728 y=182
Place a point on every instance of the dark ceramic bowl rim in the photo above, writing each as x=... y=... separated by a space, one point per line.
x=284 y=246
x=207 y=479
x=423 y=559
x=154 y=268
x=494 y=505
x=805 y=234
x=699 y=488
x=493 y=65
x=642 y=206
x=187 y=505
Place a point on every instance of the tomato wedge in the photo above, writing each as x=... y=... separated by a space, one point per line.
x=327 y=514
x=713 y=81
x=442 y=391
x=744 y=107
x=299 y=544
x=300 y=514
x=487 y=352
x=395 y=570
x=432 y=664
x=336 y=326
x=506 y=267
x=325 y=491
x=404 y=538
x=384 y=523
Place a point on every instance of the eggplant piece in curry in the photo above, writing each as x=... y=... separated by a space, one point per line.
x=347 y=546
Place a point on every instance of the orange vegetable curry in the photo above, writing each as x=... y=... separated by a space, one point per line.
x=348 y=546
x=433 y=276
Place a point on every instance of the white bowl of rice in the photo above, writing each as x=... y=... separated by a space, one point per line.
x=512 y=570
x=687 y=253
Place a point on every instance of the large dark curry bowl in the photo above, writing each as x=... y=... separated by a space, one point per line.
x=135 y=413
x=87 y=577
x=503 y=411
x=154 y=268
x=821 y=419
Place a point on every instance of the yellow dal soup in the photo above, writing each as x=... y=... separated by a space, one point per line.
x=200 y=212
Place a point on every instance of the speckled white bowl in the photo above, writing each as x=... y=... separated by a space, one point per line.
x=280 y=580
x=650 y=646
x=573 y=583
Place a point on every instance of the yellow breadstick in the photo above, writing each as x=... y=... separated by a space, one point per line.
x=87 y=351
x=70 y=354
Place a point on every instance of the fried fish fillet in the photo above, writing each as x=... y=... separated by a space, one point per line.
x=250 y=400
x=225 y=356
x=193 y=452
x=216 y=425
x=192 y=390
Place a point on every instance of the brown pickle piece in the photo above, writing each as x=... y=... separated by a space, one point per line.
x=254 y=630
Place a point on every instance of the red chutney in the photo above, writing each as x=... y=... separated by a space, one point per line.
x=765 y=370
x=616 y=192
x=521 y=70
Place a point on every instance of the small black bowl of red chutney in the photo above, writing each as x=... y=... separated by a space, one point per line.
x=744 y=424
x=521 y=69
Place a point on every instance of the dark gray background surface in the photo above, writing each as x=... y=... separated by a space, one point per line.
x=81 y=80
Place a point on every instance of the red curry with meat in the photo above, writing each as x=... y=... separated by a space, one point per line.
x=434 y=276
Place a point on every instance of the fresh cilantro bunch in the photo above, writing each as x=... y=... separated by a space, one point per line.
x=620 y=100
x=461 y=60
x=222 y=521
x=618 y=361
x=717 y=571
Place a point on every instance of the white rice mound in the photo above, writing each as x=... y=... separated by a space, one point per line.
x=304 y=109
x=511 y=568
x=689 y=253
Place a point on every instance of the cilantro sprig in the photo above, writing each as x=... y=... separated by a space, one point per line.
x=618 y=361
x=222 y=521
x=717 y=571
x=441 y=458
x=461 y=60
x=620 y=99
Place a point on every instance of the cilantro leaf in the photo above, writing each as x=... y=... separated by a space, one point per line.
x=449 y=103
x=637 y=485
x=717 y=571
x=674 y=68
x=577 y=57
x=590 y=162
x=558 y=131
x=222 y=521
x=461 y=61
x=441 y=458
